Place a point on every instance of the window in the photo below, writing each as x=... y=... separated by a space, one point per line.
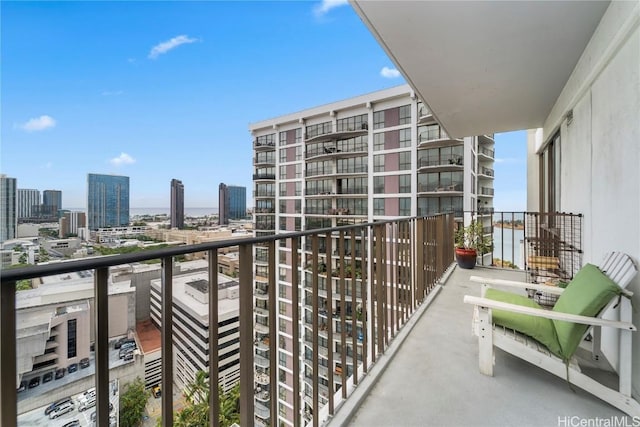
x=378 y=141
x=283 y=155
x=282 y=357
x=378 y=206
x=405 y=206
x=550 y=176
x=299 y=170
x=352 y=123
x=283 y=307
x=378 y=184
x=71 y=338
x=378 y=163
x=282 y=325
x=405 y=161
x=405 y=137
x=283 y=189
x=405 y=183
x=378 y=119
x=405 y=114
x=283 y=172
x=319 y=129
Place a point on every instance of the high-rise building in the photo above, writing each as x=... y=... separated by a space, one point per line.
x=27 y=199
x=177 y=204
x=191 y=326
x=8 y=208
x=373 y=157
x=107 y=201
x=52 y=199
x=232 y=203
x=71 y=222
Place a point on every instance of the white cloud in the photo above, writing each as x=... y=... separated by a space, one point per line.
x=389 y=73
x=507 y=160
x=122 y=159
x=326 y=5
x=38 y=124
x=48 y=165
x=165 y=47
x=112 y=92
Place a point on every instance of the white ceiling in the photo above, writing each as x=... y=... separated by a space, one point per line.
x=484 y=66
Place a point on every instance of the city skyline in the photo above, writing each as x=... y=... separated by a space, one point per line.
x=168 y=78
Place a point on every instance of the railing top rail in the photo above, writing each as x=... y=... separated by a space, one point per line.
x=31 y=272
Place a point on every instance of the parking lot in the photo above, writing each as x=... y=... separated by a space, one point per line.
x=40 y=394
x=37 y=417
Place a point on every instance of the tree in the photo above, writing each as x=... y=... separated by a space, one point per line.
x=23 y=285
x=196 y=412
x=23 y=259
x=132 y=403
x=44 y=255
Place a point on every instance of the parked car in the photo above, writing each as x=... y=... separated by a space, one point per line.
x=84 y=363
x=123 y=340
x=157 y=392
x=54 y=405
x=60 y=373
x=128 y=356
x=87 y=403
x=128 y=344
x=35 y=382
x=74 y=423
x=91 y=391
x=61 y=410
x=124 y=351
x=47 y=377
x=72 y=368
x=22 y=387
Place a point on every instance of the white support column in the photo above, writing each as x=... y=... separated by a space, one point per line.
x=485 y=341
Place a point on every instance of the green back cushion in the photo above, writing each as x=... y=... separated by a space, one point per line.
x=587 y=294
x=538 y=328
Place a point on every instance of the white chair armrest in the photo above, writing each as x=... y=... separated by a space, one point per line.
x=548 y=314
x=518 y=285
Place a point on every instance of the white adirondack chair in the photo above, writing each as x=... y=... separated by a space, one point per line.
x=619 y=268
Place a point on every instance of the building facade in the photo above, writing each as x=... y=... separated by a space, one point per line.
x=373 y=157
x=71 y=222
x=177 y=204
x=191 y=327
x=27 y=199
x=52 y=200
x=232 y=203
x=8 y=208
x=107 y=201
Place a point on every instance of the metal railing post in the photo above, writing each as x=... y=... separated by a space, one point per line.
x=214 y=397
x=101 y=307
x=8 y=397
x=167 y=341
x=246 y=335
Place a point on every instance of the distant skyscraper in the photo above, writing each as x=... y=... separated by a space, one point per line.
x=27 y=199
x=8 y=208
x=232 y=203
x=53 y=200
x=177 y=204
x=107 y=201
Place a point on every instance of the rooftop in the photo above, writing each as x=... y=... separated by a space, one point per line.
x=148 y=336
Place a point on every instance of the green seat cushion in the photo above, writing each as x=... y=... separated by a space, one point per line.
x=586 y=295
x=538 y=328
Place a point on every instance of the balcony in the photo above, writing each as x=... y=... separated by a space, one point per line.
x=433 y=138
x=264 y=176
x=444 y=163
x=264 y=145
x=486 y=191
x=484 y=172
x=440 y=188
x=336 y=151
x=526 y=395
x=438 y=332
x=338 y=135
x=486 y=153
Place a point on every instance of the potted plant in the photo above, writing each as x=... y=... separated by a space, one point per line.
x=469 y=241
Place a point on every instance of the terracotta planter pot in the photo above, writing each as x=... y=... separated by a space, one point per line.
x=466 y=258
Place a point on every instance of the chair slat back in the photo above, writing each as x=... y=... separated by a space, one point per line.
x=619 y=267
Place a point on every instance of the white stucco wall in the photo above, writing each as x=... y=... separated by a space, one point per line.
x=600 y=149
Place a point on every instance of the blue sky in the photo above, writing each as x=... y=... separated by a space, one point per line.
x=162 y=90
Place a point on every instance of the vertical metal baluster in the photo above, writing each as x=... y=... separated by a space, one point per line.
x=167 y=342
x=363 y=296
x=379 y=289
x=295 y=313
x=246 y=334
x=329 y=310
x=8 y=394
x=273 y=343
x=101 y=307
x=315 y=328
x=354 y=305
x=343 y=324
x=419 y=264
x=214 y=398
x=391 y=282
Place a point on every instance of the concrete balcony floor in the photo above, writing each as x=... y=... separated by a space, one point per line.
x=433 y=379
